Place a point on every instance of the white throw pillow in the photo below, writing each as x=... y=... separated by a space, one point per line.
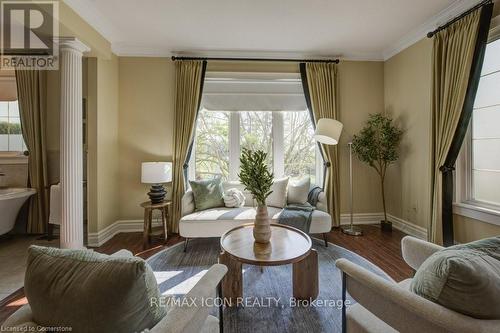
x=278 y=197
x=233 y=198
x=298 y=190
x=237 y=185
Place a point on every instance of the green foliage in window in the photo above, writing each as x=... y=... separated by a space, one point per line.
x=377 y=145
x=255 y=175
x=9 y=128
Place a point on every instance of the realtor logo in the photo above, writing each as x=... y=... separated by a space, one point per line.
x=28 y=29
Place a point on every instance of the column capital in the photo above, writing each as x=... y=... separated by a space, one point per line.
x=71 y=43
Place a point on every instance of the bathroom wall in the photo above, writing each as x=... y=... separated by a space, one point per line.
x=16 y=175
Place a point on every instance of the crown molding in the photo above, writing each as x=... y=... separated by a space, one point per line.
x=450 y=12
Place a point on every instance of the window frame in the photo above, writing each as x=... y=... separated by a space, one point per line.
x=278 y=148
x=13 y=155
x=464 y=203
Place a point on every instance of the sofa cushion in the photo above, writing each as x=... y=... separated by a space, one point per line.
x=279 y=192
x=464 y=278
x=91 y=292
x=298 y=190
x=214 y=222
x=207 y=193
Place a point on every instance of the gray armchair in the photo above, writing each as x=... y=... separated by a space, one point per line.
x=182 y=318
x=386 y=306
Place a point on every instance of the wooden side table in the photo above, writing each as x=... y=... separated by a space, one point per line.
x=148 y=220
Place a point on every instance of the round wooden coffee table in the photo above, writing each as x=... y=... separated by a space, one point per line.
x=287 y=246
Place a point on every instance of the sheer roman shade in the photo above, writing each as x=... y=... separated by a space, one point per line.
x=253 y=92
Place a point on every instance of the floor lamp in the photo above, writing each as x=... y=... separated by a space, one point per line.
x=328 y=132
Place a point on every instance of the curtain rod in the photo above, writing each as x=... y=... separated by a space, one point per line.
x=174 y=58
x=479 y=5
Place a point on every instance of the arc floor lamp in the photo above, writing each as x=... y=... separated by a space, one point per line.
x=328 y=132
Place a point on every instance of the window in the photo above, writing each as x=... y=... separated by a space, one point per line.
x=300 y=148
x=256 y=130
x=212 y=145
x=286 y=136
x=264 y=111
x=11 y=138
x=485 y=133
x=478 y=167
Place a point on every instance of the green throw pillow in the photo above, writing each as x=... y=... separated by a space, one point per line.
x=91 y=292
x=207 y=193
x=464 y=278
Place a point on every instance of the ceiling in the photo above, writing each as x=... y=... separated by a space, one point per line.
x=361 y=29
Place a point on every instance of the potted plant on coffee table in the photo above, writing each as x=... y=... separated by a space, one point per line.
x=257 y=179
x=377 y=145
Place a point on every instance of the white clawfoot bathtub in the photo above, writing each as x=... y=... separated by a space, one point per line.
x=11 y=200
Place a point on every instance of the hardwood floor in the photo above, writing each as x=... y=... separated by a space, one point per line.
x=381 y=248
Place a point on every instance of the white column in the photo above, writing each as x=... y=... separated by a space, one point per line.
x=71 y=141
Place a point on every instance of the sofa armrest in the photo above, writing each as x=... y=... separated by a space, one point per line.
x=122 y=254
x=403 y=310
x=322 y=203
x=21 y=318
x=190 y=315
x=415 y=251
x=187 y=203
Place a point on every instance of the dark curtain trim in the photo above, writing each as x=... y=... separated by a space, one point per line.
x=190 y=150
x=463 y=123
x=305 y=87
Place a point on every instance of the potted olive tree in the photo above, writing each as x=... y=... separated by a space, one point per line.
x=377 y=145
x=257 y=179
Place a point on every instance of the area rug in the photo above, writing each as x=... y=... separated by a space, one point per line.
x=269 y=306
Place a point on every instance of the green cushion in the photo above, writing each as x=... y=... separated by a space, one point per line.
x=207 y=193
x=91 y=292
x=464 y=278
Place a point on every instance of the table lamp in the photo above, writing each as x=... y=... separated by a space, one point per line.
x=328 y=132
x=156 y=173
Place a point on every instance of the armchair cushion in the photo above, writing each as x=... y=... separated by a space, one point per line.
x=91 y=292
x=464 y=278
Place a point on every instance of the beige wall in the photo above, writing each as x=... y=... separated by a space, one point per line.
x=467 y=229
x=407 y=78
x=361 y=92
x=146 y=92
x=90 y=94
x=107 y=142
x=146 y=117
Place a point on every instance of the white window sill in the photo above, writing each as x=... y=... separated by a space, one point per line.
x=13 y=158
x=474 y=211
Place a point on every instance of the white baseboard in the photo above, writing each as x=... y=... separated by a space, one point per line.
x=397 y=223
x=408 y=227
x=361 y=218
x=96 y=239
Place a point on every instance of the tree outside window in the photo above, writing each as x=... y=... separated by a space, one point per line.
x=293 y=137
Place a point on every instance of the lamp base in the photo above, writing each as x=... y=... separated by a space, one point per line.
x=352 y=230
x=157 y=193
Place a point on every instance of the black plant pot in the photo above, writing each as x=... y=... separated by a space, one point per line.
x=386 y=226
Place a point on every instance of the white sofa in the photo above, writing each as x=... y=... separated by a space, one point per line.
x=215 y=222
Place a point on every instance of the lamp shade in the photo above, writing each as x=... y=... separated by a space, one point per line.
x=328 y=131
x=156 y=172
